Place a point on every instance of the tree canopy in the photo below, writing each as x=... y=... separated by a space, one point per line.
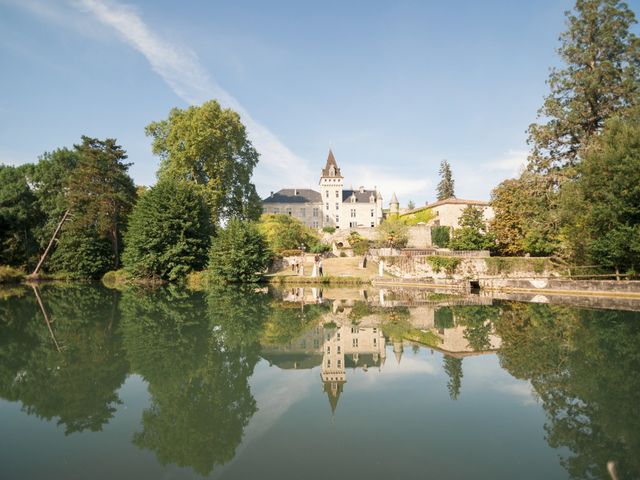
x=472 y=234
x=208 y=145
x=169 y=231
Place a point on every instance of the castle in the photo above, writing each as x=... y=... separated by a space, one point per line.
x=333 y=206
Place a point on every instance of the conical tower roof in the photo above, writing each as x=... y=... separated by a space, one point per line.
x=333 y=390
x=394 y=199
x=331 y=162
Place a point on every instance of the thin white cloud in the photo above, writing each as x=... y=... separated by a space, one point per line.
x=181 y=69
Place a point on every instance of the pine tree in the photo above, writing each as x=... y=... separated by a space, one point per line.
x=601 y=77
x=446 y=185
x=101 y=193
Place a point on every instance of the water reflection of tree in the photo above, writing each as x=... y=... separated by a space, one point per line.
x=583 y=365
x=478 y=322
x=77 y=384
x=453 y=368
x=197 y=367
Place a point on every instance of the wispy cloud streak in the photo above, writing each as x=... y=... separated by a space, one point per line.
x=181 y=69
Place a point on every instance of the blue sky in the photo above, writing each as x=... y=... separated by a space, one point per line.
x=393 y=87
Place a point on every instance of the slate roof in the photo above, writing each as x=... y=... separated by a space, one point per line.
x=294 y=195
x=361 y=196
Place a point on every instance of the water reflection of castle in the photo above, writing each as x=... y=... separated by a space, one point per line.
x=337 y=343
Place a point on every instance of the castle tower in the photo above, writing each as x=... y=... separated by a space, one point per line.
x=331 y=184
x=394 y=206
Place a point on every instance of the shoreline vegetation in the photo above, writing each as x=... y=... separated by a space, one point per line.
x=76 y=213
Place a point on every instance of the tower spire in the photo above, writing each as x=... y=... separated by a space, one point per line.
x=331 y=168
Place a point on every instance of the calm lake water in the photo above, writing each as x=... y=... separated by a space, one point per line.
x=314 y=384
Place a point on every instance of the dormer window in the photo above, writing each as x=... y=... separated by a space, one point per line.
x=372 y=199
x=353 y=199
x=332 y=172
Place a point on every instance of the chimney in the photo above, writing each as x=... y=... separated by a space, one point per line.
x=361 y=189
x=271 y=194
x=295 y=191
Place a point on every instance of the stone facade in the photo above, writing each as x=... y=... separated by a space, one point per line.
x=332 y=206
x=448 y=211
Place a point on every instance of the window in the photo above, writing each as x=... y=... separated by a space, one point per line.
x=328 y=363
x=337 y=206
x=337 y=194
x=303 y=212
x=375 y=342
x=327 y=205
x=338 y=349
x=353 y=224
x=353 y=213
x=339 y=363
x=289 y=211
x=372 y=225
x=315 y=212
x=338 y=336
x=328 y=349
x=327 y=220
x=372 y=212
x=316 y=343
x=355 y=342
x=375 y=330
x=337 y=218
x=326 y=193
x=276 y=210
x=355 y=330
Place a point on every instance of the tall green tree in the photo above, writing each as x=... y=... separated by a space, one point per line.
x=473 y=233
x=239 y=253
x=169 y=231
x=600 y=77
x=101 y=193
x=523 y=221
x=601 y=209
x=49 y=179
x=209 y=146
x=445 y=188
x=453 y=368
x=19 y=215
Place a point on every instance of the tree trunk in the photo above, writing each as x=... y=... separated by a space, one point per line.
x=53 y=238
x=116 y=248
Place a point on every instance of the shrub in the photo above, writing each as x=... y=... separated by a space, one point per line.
x=330 y=230
x=239 y=254
x=10 y=274
x=169 y=232
x=320 y=248
x=82 y=254
x=448 y=264
x=393 y=233
x=440 y=236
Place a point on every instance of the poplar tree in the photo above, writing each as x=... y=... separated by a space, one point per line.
x=446 y=185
